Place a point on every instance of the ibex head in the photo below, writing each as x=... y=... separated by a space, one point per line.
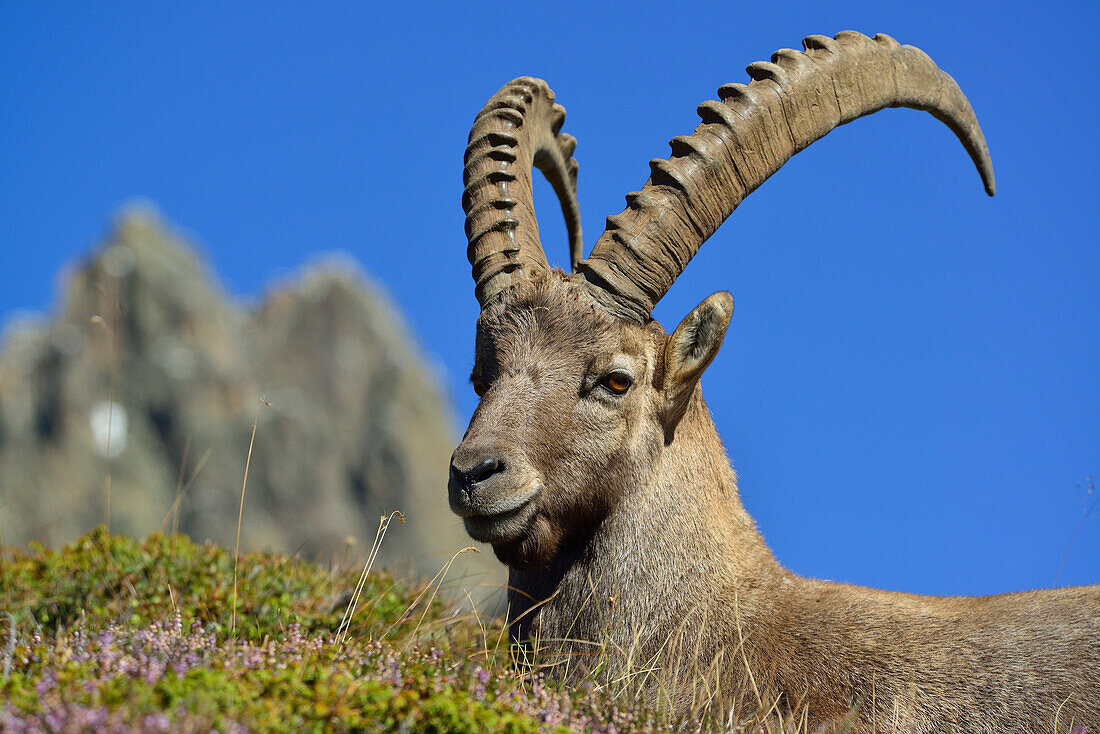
x=581 y=391
x=576 y=407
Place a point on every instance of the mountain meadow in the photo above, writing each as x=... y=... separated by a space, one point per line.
x=167 y=635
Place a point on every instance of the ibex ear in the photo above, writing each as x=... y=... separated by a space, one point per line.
x=688 y=352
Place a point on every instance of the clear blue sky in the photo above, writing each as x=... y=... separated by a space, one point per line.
x=909 y=386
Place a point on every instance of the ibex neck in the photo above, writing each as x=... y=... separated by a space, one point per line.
x=669 y=551
x=695 y=492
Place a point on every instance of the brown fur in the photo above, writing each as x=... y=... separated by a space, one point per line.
x=635 y=543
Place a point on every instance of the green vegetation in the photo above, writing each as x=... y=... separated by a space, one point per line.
x=116 y=634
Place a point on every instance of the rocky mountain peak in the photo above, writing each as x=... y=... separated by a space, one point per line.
x=148 y=361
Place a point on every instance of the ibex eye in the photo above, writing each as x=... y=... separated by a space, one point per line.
x=479 y=387
x=618 y=382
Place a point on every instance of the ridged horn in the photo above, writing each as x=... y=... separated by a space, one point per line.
x=792 y=101
x=519 y=127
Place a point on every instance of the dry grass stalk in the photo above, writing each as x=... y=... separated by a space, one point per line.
x=240 y=514
x=353 y=603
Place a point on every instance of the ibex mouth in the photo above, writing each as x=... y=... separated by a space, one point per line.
x=502 y=525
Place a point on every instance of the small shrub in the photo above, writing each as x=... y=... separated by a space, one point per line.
x=113 y=634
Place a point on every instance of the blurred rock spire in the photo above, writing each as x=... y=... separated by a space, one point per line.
x=357 y=426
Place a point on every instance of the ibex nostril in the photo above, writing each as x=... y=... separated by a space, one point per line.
x=465 y=479
x=484 y=470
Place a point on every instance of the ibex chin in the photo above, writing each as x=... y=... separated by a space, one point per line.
x=593 y=468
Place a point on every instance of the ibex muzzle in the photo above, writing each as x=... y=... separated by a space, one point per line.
x=594 y=469
x=491 y=495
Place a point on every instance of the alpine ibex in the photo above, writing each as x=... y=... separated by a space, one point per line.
x=593 y=468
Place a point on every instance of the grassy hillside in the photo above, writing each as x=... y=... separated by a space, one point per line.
x=114 y=634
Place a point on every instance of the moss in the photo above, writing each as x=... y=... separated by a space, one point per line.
x=101 y=578
x=114 y=633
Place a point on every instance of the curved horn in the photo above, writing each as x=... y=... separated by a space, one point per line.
x=791 y=102
x=516 y=129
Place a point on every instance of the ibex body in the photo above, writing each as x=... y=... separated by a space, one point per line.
x=594 y=469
